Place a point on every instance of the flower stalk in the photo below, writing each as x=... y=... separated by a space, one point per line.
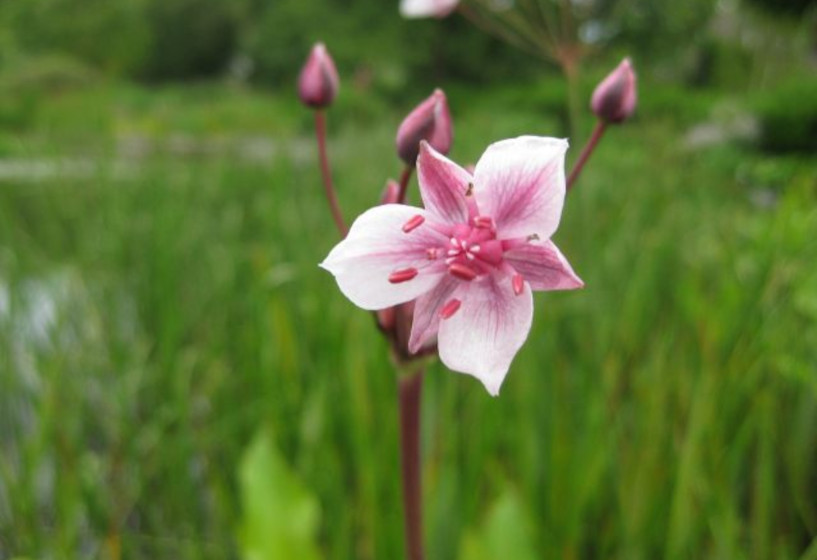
x=410 y=388
x=326 y=173
x=405 y=177
x=587 y=151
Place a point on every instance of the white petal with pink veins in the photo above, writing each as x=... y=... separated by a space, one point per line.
x=375 y=248
x=427 y=312
x=544 y=266
x=484 y=335
x=427 y=8
x=443 y=185
x=520 y=183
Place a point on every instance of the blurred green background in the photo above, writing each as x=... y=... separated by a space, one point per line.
x=178 y=379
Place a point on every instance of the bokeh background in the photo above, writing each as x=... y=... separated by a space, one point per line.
x=178 y=379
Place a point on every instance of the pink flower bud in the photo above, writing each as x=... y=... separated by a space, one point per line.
x=318 y=83
x=391 y=193
x=615 y=97
x=430 y=121
x=385 y=319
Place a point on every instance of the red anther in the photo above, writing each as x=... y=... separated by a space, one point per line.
x=518 y=284
x=462 y=271
x=450 y=308
x=413 y=223
x=402 y=275
x=484 y=222
x=432 y=253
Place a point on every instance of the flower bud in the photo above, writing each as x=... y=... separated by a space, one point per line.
x=614 y=98
x=391 y=194
x=430 y=121
x=318 y=83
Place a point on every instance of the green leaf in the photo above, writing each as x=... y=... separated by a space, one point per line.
x=280 y=515
x=505 y=533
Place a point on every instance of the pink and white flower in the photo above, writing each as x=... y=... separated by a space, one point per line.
x=471 y=258
x=427 y=8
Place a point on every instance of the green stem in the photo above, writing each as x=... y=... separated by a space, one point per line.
x=571 y=71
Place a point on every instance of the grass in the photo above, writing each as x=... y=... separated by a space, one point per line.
x=162 y=305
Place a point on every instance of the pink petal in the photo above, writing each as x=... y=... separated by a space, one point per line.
x=520 y=183
x=427 y=8
x=544 y=266
x=482 y=338
x=375 y=247
x=427 y=312
x=443 y=185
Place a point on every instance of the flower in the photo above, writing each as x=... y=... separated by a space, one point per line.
x=318 y=82
x=614 y=98
x=431 y=121
x=470 y=258
x=427 y=8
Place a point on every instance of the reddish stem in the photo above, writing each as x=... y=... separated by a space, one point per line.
x=411 y=388
x=405 y=176
x=326 y=173
x=598 y=132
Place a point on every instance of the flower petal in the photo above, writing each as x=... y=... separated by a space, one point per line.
x=482 y=338
x=427 y=312
x=520 y=183
x=426 y=8
x=544 y=266
x=443 y=185
x=375 y=247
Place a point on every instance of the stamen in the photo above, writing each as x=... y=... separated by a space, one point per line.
x=470 y=190
x=413 y=223
x=475 y=249
x=462 y=272
x=402 y=275
x=450 y=308
x=518 y=284
x=533 y=237
x=454 y=242
x=453 y=252
x=469 y=256
x=432 y=253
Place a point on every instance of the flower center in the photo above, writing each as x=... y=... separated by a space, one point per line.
x=473 y=250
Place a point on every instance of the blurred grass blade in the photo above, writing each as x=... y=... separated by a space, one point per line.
x=280 y=515
x=505 y=533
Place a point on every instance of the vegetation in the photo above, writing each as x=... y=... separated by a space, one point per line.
x=161 y=304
